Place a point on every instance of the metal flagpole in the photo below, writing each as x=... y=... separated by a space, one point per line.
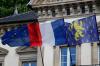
x=70 y=57
x=41 y=56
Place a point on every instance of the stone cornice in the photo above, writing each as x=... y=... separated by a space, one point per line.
x=67 y=16
x=3 y=51
x=22 y=50
x=58 y=3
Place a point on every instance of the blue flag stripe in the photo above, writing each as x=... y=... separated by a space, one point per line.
x=59 y=32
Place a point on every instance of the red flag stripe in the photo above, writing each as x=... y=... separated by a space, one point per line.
x=34 y=34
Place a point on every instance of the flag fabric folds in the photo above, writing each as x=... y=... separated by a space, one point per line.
x=36 y=34
x=85 y=30
x=54 y=32
x=69 y=35
x=16 y=37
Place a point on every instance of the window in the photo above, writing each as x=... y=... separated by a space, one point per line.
x=68 y=9
x=90 y=7
x=99 y=50
x=75 y=8
x=29 y=64
x=28 y=56
x=64 y=56
x=99 y=53
x=0 y=64
x=82 y=6
x=73 y=56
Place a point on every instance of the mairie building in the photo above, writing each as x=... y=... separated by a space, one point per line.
x=87 y=54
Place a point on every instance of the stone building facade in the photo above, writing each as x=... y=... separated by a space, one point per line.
x=85 y=54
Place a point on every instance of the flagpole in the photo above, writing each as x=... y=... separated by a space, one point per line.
x=70 y=57
x=41 y=56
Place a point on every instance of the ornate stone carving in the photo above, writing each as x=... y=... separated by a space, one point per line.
x=64 y=11
x=44 y=13
x=21 y=50
x=49 y=13
x=69 y=8
x=71 y=11
x=79 y=9
x=57 y=12
x=3 y=52
x=37 y=2
x=27 y=53
x=87 y=9
x=39 y=13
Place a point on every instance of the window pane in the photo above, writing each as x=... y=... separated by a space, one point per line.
x=68 y=11
x=0 y=64
x=99 y=37
x=99 y=54
x=25 y=64
x=33 y=64
x=29 y=64
x=82 y=6
x=73 y=50
x=73 y=55
x=64 y=64
x=64 y=56
x=64 y=51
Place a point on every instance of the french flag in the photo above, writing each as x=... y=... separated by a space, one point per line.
x=49 y=32
x=37 y=34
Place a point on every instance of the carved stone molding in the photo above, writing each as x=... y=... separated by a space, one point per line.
x=41 y=3
x=27 y=53
x=3 y=53
x=65 y=9
x=22 y=50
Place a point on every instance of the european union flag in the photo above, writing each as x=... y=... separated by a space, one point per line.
x=17 y=37
x=85 y=30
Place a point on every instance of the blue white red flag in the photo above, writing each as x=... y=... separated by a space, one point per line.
x=36 y=34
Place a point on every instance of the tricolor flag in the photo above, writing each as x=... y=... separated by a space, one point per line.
x=35 y=34
x=53 y=32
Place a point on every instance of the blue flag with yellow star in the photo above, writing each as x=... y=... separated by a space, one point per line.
x=70 y=35
x=85 y=30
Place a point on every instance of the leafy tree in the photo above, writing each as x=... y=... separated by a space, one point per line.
x=7 y=7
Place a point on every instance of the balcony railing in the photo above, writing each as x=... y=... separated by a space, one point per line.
x=64 y=10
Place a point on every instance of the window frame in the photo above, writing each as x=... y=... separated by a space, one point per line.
x=66 y=47
x=29 y=62
x=99 y=53
x=60 y=54
x=2 y=63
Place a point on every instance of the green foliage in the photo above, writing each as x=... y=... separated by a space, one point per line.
x=7 y=7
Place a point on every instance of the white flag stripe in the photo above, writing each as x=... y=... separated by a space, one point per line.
x=47 y=33
x=48 y=55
